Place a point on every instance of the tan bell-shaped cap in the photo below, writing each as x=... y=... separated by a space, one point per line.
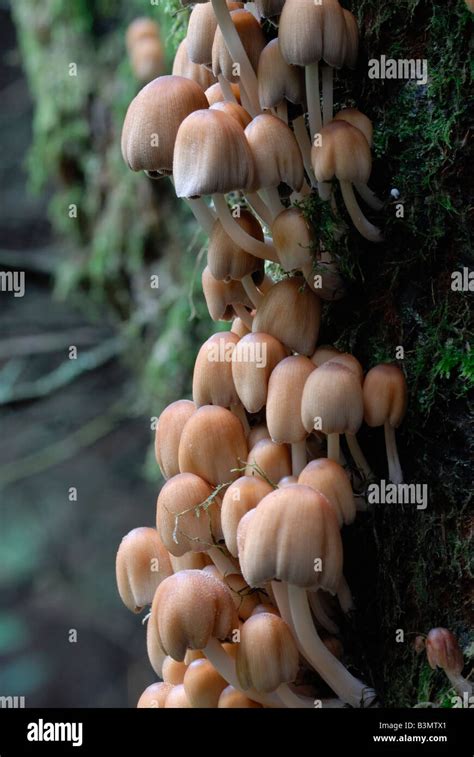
x=168 y=433
x=202 y=27
x=330 y=478
x=277 y=79
x=214 y=93
x=203 y=684
x=241 y=496
x=267 y=654
x=276 y=153
x=254 y=358
x=184 y=66
x=274 y=460
x=253 y=40
x=235 y=110
x=233 y=698
x=385 y=395
x=142 y=563
x=359 y=120
x=332 y=394
x=285 y=390
x=154 y=697
x=291 y=313
x=343 y=151
x=153 y=119
x=294 y=239
x=213 y=445
x=173 y=671
x=221 y=296
x=225 y=259
x=212 y=379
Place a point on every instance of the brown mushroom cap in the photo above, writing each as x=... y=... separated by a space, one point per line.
x=344 y=152
x=212 y=379
x=203 y=684
x=256 y=434
x=235 y=110
x=324 y=353
x=240 y=497
x=196 y=529
x=139 y=29
x=142 y=563
x=290 y=312
x=330 y=479
x=214 y=94
x=184 y=66
x=189 y=609
x=154 y=696
x=273 y=459
x=359 y=120
x=225 y=259
x=267 y=654
x=173 y=671
x=202 y=27
x=168 y=433
x=221 y=296
x=177 y=699
x=211 y=155
x=300 y=32
x=212 y=445
x=285 y=390
x=231 y=697
x=277 y=79
x=254 y=358
x=351 y=362
x=153 y=119
x=190 y=561
x=294 y=239
x=276 y=153
x=253 y=40
x=385 y=395
x=442 y=650
x=288 y=531
x=147 y=59
x=332 y=393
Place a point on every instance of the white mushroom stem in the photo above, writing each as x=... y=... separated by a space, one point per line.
x=460 y=684
x=333 y=447
x=223 y=563
x=304 y=143
x=344 y=596
x=298 y=457
x=237 y=52
x=251 y=290
x=369 y=197
x=225 y=665
x=362 y=224
x=328 y=105
x=243 y=314
x=320 y=613
x=226 y=89
x=244 y=99
x=395 y=473
x=239 y=236
x=312 y=98
x=273 y=201
x=358 y=456
x=259 y=207
x=344 y=684
x=282 y=111
x=203 y=214
x=239 y=411
x=280 y=592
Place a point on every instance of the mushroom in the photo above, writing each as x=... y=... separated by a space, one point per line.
x=298 y=332
x=190 y=561
x=203 y=684
x=238 y=327
x=223 y=63
x=231 y=697
x=177 y=699
x=269 y=8
x=245 y=598
x=227 y=261
x=147 y=59
x=168 y=433
x=213 y=157
x=278 y=81
x=212 y=377
x=154 y=696
x=256 y=433
x=139 y=29
x=253 y=360
x=274 y=460
x=291 y=532
x=285 y=390
x=224 y=300
x=267 y=658
x=235 y=110
x=294 y=240
x=385 y=404
x=330 y=478
x=193 y=610
x=156 y=655
x=188 y=518
x=142 y=563
x=173 y=671
x=332 y=402
x=202 y=27
x=364 y=124
x=184 y=66
x=442 y=650
x=344 y=152
x=213 y=445
x=214 y=93
x=241 y=496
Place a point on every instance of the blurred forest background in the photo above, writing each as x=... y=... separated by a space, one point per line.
x=86 y=423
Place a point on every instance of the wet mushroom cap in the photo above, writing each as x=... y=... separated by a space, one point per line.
x=142 y=563
x=267 y=654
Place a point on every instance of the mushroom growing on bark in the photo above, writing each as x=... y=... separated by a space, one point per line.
x=142 y=563
x=168 y=433
x=385 y=404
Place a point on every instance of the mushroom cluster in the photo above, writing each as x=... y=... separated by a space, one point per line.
x=244 y=570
